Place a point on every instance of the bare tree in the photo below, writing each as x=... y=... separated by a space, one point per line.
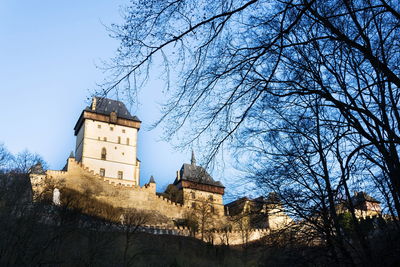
x=132 y=221
x=201 y=219
x=321 y=76
x=236 y=55
x=23 y=161
x=5 y=157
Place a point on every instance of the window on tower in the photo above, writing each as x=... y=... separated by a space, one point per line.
x=120 y=174
x=103 y=153
x=127 y=141
x=212 y=209
x=119 y=139
x=103 y=172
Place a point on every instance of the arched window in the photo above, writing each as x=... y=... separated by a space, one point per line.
x=193 y=194
x=103 y=153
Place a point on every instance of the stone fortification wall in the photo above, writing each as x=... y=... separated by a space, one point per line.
x=214 y=237
x=112 y=191
x=233 y=237
x=121 y=194
x=277 y=219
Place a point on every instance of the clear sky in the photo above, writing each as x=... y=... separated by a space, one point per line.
x=48 y=56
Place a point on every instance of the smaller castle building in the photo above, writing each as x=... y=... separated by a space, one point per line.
x=261 y=212
x=196 y=187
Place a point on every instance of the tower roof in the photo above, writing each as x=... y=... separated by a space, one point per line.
x=197 y=174
x=105 y=106
x=107 y=110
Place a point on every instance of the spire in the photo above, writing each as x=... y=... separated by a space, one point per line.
x=193 y=159
x=152 y=179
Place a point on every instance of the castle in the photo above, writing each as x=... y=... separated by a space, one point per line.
x=106 y=166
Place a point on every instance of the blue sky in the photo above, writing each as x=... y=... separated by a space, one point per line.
x=48 y=56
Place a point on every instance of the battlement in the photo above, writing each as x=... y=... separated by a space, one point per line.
x=124 y=194
x=116 y=192
x=215 y=236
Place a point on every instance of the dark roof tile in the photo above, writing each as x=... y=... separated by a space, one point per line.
x=194 y=173
x=105 y=106
x=360 y=197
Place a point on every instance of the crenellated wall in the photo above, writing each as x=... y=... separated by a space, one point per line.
x=118 y=193
x=123 y=194
x=217 y=237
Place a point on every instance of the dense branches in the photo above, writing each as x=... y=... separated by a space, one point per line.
x=308 y=90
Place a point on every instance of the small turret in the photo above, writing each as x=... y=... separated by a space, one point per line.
x=151 y=185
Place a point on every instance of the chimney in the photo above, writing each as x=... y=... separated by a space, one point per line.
x=94 y=102
x=193 y=159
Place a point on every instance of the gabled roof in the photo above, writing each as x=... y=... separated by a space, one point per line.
x=361 y=197
x=272 y=198
x=197 y=174
x=105 y=106
x=237 y=202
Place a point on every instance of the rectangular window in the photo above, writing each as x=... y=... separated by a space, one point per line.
x=119 y=139
x=127 y=141
x=120 y=174
x=123 y=130
x=99 y=126
x=105 y=139
x=111 y=128
x=103 y=153
x=102 y=172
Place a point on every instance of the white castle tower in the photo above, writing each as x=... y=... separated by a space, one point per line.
x=106 y=140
